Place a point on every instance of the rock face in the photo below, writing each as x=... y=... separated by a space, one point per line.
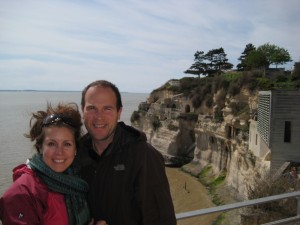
x=174 y=139
x=201 y=140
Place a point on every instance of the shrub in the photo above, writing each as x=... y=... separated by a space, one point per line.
x=172 y=127
x=234 y=89
x=231 y=77
x=218 y=115
x=297 y=84
x=264 y=83
x=281 y=78
x=155 y=122
x=244 y=80
x=188 y=116
x=135 y=116
x=252 y=84
x=207 y=89
x=239 y=107
x=258 y=73
x=295 y=77
x=267 y=186
x=209 y=101
x=197 y=101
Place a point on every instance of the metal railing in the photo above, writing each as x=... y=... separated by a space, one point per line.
x=223 y=208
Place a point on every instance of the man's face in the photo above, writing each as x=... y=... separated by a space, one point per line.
x=100 y=113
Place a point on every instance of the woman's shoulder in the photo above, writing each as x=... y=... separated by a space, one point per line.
x=26 y=183
x=25 y=199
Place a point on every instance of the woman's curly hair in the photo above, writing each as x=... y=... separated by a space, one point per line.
x=69 y=110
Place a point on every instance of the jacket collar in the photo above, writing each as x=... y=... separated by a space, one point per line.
x=124 y=135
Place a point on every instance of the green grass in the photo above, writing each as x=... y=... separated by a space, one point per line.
x=219 y=220
x=220 y=179
x=232 y=76
x=212 y=183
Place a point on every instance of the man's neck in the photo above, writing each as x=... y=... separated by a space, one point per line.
x=100 y=146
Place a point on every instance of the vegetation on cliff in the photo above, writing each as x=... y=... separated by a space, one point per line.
x=203 y=91
x=215 y=82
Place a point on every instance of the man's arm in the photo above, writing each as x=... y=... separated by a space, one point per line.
x=157 y=206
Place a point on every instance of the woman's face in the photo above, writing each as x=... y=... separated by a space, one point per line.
x=59 y=147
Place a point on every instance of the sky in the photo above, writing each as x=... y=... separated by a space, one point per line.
x=136 y=44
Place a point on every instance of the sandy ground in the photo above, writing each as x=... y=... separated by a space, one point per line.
x=189 y=194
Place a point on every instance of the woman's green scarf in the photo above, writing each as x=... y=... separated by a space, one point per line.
x=72 y=187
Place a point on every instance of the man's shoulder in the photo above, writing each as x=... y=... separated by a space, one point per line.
x=128 y=135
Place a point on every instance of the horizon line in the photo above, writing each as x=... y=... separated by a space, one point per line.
x=34 y=90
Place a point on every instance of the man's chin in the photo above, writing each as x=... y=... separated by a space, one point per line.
x=107 y=137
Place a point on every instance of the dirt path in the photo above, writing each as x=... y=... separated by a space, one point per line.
x=189 y=194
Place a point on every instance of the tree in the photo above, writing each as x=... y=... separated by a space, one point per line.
x=255 y=60
x=219 y=61
x=266 y=55
x=242 y=65
x=214 y=61
x=274 y=54
x=281 y=56
x=199 y=67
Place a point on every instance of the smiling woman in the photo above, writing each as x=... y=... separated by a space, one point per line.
x=48 y=181
x=58 y=148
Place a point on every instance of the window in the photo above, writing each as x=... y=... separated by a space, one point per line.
x=229 y=131
x=187 y=108
x=287 y=131
x=256 y=139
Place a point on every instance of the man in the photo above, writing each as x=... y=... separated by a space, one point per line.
x=128 y=183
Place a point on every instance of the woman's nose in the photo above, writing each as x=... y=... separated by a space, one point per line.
x=59 y=150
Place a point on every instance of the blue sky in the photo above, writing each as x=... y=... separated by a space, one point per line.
x=136 y=44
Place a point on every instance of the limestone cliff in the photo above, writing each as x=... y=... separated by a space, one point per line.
x=202 y=137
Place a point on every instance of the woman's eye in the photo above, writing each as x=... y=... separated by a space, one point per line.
x=68 y=144
x=50 y=144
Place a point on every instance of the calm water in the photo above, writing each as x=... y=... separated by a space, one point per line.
x=15 y=113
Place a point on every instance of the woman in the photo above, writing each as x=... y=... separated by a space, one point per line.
x=45 y=189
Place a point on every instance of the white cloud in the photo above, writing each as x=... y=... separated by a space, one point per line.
x=138 y=45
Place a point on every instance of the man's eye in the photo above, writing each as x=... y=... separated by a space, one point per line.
x=90 y=107
x=108 y=109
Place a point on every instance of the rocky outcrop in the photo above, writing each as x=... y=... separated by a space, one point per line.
x=203 y=140
x=175 y=139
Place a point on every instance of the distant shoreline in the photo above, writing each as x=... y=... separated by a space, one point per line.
x=124 y=92
x=36 y=91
